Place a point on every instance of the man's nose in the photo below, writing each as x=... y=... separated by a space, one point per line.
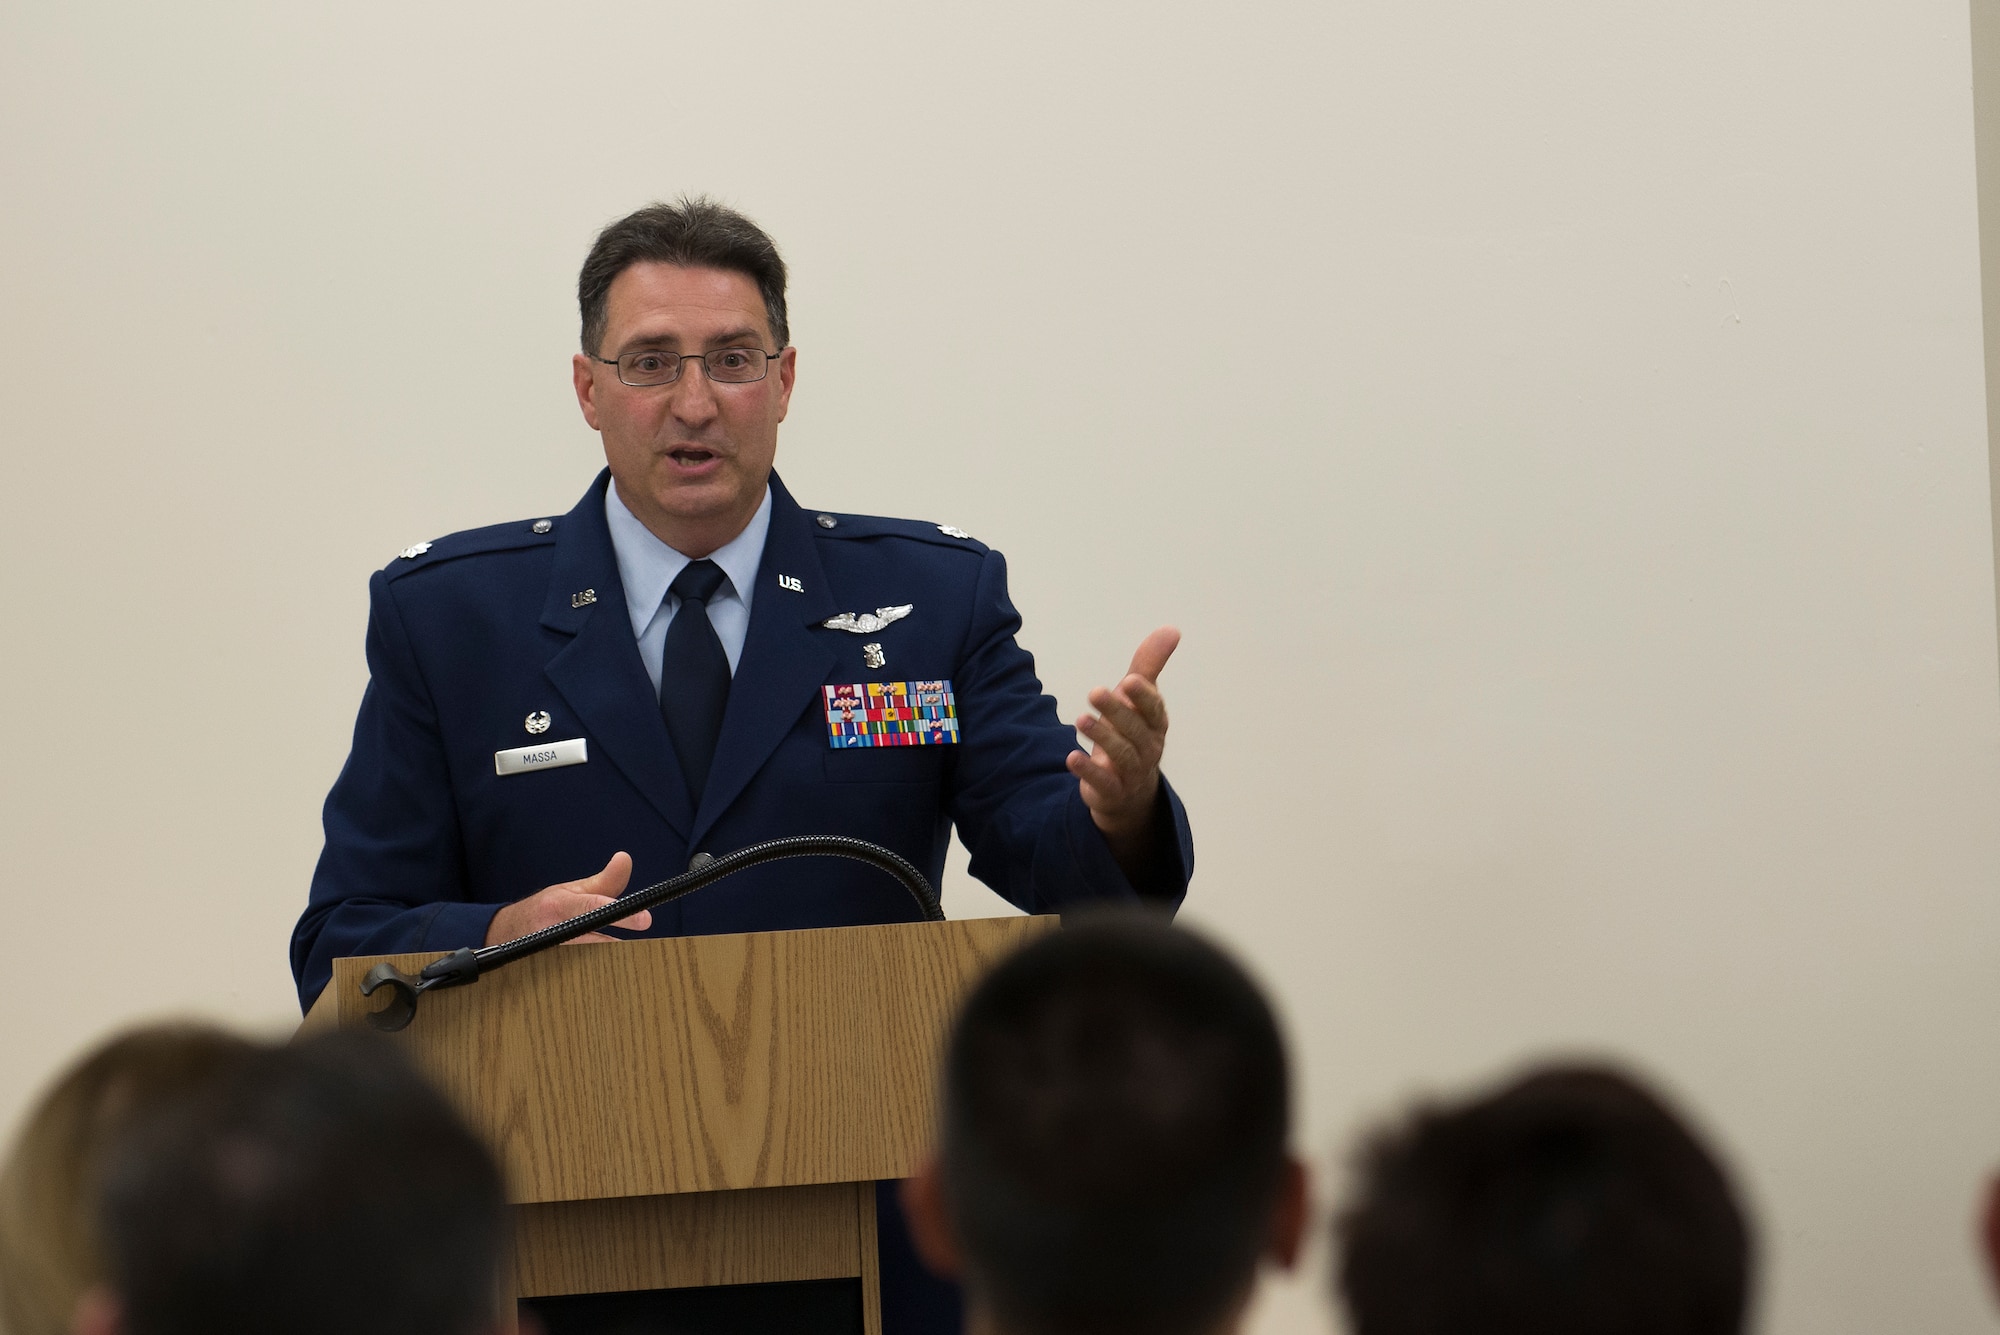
x=693 y=393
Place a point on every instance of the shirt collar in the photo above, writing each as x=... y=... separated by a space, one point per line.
x=647 y=565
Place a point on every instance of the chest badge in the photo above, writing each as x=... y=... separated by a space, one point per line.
x=896 y=713
x=872 y=656
x=867 y=623
x=538 y=722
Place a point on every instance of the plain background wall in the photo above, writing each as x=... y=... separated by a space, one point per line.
x=1558 y=428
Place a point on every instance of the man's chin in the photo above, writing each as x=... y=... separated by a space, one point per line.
x=710 y=495
x=727 y=500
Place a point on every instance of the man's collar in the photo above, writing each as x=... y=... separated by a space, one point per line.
x=648 y=565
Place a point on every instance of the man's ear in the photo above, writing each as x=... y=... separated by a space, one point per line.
x=930 y=1223
x=96 y=1313
x=788 y=374
x=1289 y=1220
x=583 y=377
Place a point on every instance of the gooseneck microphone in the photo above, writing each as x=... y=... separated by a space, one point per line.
x=465 y=966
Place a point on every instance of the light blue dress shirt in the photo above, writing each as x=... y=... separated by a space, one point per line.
x=648 y=566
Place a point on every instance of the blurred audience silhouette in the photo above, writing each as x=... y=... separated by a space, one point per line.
x=1113 y=1154
x=1112 y=1161
x=321 y=1188
x=1568 y=1202
x=50 y=1253
x=1989 y=1231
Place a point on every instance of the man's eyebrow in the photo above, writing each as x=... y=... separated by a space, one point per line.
x=743 y=337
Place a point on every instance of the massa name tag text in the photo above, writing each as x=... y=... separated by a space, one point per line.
x=549 y=755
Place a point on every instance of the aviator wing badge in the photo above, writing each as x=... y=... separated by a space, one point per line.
x=867 y=623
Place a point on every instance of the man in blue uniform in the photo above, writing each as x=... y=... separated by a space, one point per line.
x=561 y=705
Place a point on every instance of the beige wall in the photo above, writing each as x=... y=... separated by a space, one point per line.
x=1558 y=428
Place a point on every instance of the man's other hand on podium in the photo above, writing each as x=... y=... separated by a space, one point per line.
x=559 y=903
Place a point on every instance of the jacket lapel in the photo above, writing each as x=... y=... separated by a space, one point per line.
x=784 y=664
x=598 y=673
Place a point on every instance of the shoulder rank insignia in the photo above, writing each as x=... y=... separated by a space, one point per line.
x=951 y=532
x=896 y=713
x=867 y=623
x=412 y=553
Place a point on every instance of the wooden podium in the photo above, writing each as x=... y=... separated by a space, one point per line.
x=699 y=1110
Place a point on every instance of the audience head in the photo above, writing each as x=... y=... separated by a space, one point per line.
x=1989 y=1230
x=1571 y=1202
x=323 y=1189
x=49 y=1249
x=1114 y=1138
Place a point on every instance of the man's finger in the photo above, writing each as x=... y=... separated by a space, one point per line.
x=1098 y=779
x=1113 y=746
x=1146 y=698
x=1135 y=744
x=611 y=881
x=1116 y=710
x=638 y=922
x=1154 y=651
x=1122 y=712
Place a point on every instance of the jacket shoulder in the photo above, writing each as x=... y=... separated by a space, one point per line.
x=853 y=528
x=472 y=542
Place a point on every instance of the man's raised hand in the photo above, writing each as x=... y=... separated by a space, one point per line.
x=559 y=903
x=1120 y=777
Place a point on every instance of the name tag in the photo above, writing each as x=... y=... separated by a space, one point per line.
x=549 y=755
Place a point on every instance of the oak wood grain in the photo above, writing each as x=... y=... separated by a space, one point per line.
x=706 y=1063
x=671 y=1242
x=871 y=1259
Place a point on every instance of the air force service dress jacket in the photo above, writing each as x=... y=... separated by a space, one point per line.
x=483 y=631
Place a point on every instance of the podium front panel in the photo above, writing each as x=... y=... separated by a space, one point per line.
x=700 y=1063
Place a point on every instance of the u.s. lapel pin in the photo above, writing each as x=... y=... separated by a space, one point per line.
x=872 y=655
x=791 y=583
x=583 y=599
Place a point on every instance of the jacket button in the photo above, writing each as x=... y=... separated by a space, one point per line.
x=700 y=860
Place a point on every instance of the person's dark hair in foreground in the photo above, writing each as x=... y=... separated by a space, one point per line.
x=324 y=1189
x=50 y=1255
x=1114 y=1138
x=1570 y=1202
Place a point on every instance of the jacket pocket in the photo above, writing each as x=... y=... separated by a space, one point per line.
x=884 y=764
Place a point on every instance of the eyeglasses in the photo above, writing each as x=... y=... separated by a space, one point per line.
x=725 y=366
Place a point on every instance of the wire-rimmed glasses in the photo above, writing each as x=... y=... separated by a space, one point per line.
x=725 y=366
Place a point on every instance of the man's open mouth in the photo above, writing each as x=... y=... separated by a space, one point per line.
x=690 y=457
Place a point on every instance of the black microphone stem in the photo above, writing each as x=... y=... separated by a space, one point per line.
x=465 y=966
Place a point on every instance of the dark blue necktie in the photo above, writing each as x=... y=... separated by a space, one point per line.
x=694 y=675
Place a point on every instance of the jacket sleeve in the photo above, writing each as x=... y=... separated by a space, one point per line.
x=391 y=876
x=1016 y=806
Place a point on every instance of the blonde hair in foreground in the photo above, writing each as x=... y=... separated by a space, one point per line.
x=49 y=1253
